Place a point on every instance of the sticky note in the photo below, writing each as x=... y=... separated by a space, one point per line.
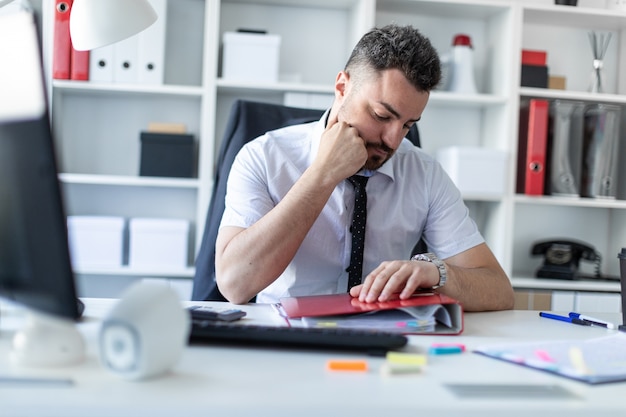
x=341 y=365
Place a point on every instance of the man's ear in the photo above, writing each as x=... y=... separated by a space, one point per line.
x=341 y=84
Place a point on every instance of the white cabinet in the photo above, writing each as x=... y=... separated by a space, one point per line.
x=97 y=126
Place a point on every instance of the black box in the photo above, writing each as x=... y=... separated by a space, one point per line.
x=534 y=76
x=167 y=155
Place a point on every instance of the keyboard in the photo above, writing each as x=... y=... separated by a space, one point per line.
x=373 y=342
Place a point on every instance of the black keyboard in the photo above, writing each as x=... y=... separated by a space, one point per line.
x=373 y=342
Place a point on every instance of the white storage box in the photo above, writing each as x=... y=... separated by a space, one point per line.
x=96 y=241
x=158 y=243
x=475 y=170
x=250 y=57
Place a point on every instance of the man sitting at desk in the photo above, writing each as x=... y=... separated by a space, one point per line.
x=286 y=229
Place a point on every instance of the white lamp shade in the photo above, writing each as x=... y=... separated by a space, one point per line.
x=96 y=23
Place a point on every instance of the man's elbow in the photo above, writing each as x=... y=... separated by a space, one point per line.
x=232 y=292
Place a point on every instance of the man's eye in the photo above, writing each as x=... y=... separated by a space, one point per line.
x=380 y=117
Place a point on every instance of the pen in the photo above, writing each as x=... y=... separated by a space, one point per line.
x=593 y=321
x=573 y=320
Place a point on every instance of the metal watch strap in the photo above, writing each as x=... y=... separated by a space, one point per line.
x=432 y=258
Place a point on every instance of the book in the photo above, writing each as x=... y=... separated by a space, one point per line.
x=533 y=133
x=424 y=313
x=594 y=361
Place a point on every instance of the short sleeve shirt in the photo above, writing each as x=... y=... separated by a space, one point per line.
x=409 y=197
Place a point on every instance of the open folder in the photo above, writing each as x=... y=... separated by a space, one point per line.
x=424 y=313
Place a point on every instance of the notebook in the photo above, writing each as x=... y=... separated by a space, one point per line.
x=424 y=313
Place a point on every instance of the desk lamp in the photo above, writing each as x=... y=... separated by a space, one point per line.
x=97 y=23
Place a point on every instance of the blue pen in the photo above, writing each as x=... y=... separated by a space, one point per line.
x=573 y=320
x=593 y=321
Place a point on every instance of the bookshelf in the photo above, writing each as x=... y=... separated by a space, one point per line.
x=108 y=118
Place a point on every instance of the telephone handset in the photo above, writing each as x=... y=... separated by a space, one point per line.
x=562 y=258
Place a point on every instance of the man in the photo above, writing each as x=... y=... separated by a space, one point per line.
x=289 y=205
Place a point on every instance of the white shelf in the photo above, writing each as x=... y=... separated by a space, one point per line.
x=570 y=201
x=78 y=87
x=578 y=17
x=129 y=181
x=572 y=95
x=156 y=272
x=565 y=285
x=243 y=87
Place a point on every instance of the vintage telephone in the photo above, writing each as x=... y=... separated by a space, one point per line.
x=562 y=257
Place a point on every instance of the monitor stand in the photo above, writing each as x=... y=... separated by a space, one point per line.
x=47 y=341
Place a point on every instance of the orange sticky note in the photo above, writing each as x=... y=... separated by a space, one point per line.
x=336 y=365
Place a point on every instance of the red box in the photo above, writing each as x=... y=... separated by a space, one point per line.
x=530 y=57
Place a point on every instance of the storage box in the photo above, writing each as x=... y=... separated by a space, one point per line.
x=250 y=57
x=534 y=76
x=475 y=170
x=167 y=155
x=158 y=243
x=96 y=241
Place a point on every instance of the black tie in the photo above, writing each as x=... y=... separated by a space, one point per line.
x=355 y=270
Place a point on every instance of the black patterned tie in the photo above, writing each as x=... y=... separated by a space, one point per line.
x=355 y=270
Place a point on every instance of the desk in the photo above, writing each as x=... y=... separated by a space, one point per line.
x=239 y=381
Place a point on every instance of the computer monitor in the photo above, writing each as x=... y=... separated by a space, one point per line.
x=35 y=267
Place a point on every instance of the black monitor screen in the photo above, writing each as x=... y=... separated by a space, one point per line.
x=35 y=268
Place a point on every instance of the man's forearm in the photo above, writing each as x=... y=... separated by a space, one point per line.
x=479 y=289
x=251 y=259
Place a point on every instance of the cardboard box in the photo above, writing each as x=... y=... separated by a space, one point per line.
x=556 y=82
x=158 y=243
x=475 y=170
x=96 y=241
x=250 y=56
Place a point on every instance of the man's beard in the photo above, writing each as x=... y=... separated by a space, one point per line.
x=376 y=161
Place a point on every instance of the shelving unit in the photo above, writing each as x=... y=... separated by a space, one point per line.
x=317 y=37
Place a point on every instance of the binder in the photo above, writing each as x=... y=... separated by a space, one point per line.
x=101 y=64
x=564 y=153
x=344 y=304
x=151 y=49
x=62 y=46
x=125 y=54
x=600 y=151
x=79 y=65
x=532 y=145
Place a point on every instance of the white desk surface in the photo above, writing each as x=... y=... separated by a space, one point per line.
x=246 y=381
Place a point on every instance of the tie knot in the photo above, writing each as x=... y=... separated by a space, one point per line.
x=358 y=181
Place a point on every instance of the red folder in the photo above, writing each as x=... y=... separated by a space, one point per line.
x=344 y=304
x=533 y=138
x=62 y=46
x=79 y=65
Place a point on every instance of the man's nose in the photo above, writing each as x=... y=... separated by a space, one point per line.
x=393 y=135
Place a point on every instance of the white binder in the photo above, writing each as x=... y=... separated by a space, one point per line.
x=151 y=50
x=125 y=57
x=101 y=64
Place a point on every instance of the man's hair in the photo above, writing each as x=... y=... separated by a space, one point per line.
x=397 y=47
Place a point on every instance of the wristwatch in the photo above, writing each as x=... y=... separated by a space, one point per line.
x=432 y=258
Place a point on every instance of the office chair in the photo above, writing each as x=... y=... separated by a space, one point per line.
x=247 y=120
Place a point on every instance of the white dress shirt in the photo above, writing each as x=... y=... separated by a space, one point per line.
x=409 y=197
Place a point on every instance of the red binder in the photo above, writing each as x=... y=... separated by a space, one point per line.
x=533 y=137
x=345 y=304
x=79 y=65
x=62 y=48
